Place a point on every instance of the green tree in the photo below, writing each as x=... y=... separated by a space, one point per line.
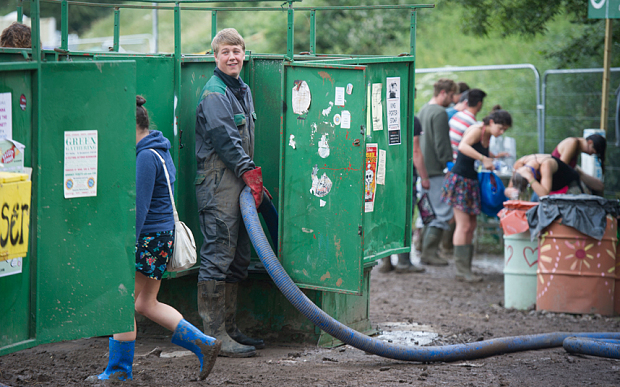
x=531 y=18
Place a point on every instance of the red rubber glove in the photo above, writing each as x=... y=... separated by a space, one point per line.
x=254 y=180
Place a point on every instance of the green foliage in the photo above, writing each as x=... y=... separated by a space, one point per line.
x=532 y=18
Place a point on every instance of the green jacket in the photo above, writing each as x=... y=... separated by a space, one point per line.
x=435 y=139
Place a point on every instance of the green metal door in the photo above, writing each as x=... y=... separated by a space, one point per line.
x=322 y=178
x=15 y=279
x=84 y=248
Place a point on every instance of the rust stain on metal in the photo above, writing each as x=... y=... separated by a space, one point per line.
x=325 y=76
x=325 y=276
x=339 y=282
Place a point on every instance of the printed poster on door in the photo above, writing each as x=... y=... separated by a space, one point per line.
x=80 y=175
x=370 y=177
x=393 y=110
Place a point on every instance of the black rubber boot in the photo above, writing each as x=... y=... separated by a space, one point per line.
x=430 y=247
x=231 y=323
x=212 y=310
x=463 y=255
x=386 y=265
x=404 y=265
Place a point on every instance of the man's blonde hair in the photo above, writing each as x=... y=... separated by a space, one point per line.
x=227 y=36
x=445 y=84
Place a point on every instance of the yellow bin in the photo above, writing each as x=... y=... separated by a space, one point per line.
x=14 y=215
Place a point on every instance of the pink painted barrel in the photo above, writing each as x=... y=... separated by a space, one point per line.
x=576 y=273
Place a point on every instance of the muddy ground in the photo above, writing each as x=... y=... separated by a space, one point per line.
x=431 y=302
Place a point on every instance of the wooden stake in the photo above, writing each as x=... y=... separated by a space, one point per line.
x=606 y=66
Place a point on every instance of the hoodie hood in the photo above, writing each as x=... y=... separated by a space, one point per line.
x=154 y=140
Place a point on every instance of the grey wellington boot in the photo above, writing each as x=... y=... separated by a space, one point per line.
x=211 y=307
x=430 y=247
x=231 y=322
x=386 y=265
x=404 y=265
x=446 y=247
x=463 y=255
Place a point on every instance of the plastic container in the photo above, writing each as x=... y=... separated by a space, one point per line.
x=576 y=273
x=520 y=256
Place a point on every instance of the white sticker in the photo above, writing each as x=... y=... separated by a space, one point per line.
x=80 y=166
x=337 y=119
x=323 y=146
x=6 y=116
x=349 y=88
x=10 y=267
x=328 y=109
x=381 y=167
x=339 y=96
x=377 y=107
x=320 y=187
x=291 y=142
x=346 y=120
x=322 y=202
x=301 y=97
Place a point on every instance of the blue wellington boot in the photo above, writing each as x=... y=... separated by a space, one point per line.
x=120 y=362
x=205 y=347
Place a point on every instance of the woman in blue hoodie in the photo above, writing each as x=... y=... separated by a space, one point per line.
x=154 y=246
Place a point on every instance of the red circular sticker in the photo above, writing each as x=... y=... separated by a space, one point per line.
x=22 y=102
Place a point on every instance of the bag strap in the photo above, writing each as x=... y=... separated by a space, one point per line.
x=174 y=208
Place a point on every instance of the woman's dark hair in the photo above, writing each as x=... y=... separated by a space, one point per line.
x=499 y=116
x=518 y=181
x=600 y=146
x=142 y=116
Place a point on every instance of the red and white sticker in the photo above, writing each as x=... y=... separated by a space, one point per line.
x=22 y=102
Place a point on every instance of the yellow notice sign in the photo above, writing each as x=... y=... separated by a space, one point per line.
x=14 y=215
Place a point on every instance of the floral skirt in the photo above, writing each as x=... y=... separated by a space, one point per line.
x=461 y=193
x=153 y=251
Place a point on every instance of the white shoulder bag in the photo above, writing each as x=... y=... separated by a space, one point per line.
x=184 y=248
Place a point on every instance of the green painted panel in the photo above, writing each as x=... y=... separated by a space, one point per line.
x=15 y=289
x=85 y=262
x=321 y=244
x=387 y=228
x=266 y=85
x=194 y=76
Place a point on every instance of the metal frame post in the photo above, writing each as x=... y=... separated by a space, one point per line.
x=64 y=25
x=313 y=32
x=117 y=29
x=213 y=24
x=20 y=12
x=290 y=42
x=155 y=28
x=412 y=32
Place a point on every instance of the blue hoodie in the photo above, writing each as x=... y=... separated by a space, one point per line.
x=153 y=207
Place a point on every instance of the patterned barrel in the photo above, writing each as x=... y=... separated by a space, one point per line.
x=576 y=273
x=520 y=266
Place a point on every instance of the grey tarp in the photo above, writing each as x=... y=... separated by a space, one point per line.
x=584 y=213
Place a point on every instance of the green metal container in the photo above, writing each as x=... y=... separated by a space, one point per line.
x=520 y=265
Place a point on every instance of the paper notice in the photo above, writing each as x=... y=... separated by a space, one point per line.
x=377 y=107
x=339 y=96
x=393 y=110
x=370 y=177
x=346 y=120
x=301 y=97
x=381 y=167
x=6 y=116
x=80 y=175
x=368 y=106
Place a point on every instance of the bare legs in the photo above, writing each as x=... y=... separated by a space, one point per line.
x=147 y=305
x=465 y=227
